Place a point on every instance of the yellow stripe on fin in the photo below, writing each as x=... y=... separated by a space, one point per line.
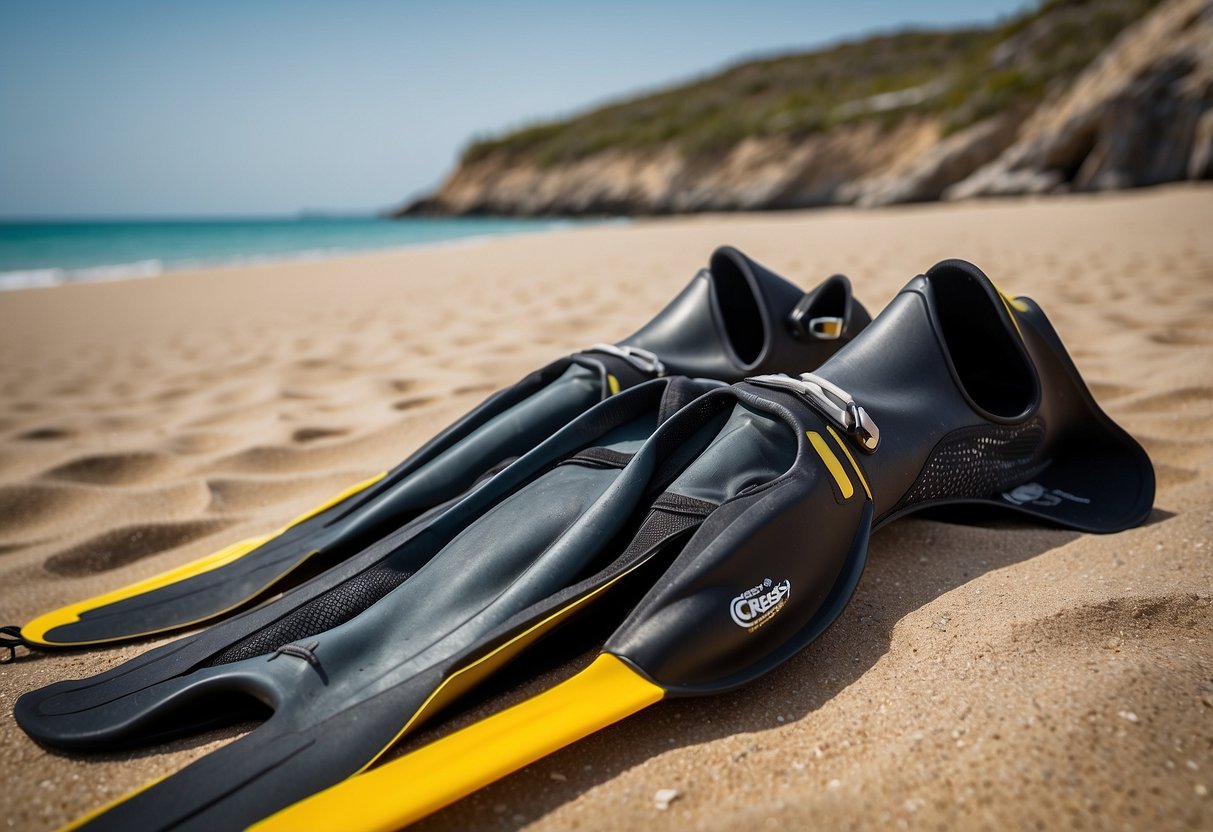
x=1012 y=306
x=1015 y=303
x=612 y=383
x=344 y=495
x=418 y=784
x=36 y=630
x=843 y=446
x=832 y=464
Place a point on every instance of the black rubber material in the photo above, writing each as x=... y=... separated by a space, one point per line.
x=749 y=546
x=736 y=317
x=323 y=688
x=971 y=412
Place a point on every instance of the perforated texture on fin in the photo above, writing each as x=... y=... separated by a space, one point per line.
x=335 y=607
x=672 y=514
x=979 y=461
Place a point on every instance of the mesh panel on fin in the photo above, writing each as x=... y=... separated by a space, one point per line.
x=337 y=606
x=978 y=461
x=672 y=514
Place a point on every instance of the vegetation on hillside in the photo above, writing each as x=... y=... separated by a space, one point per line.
x=961 y=76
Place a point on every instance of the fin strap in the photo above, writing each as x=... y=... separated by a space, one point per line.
x=10 y=640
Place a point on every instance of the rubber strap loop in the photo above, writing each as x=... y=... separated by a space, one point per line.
x=10 y=639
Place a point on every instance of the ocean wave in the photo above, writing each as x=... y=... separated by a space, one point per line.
x=57 y=276
x=45 y=278
x=32 y=278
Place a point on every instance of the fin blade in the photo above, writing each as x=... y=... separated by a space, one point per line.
x=418 y=784
x=37 y=630
x=356 y=488
x=89 y=816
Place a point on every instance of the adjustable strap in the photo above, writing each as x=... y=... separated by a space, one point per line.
x=825 y=328
x=645 y=361
x=621 y=367
x=599 y=458
x=679 y=392
x=819 y=327
x=832 y=402
x=671 y=516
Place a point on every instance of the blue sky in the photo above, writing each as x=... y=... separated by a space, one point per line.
x=113 y=108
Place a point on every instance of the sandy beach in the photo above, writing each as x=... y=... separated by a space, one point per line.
x=1001 y=675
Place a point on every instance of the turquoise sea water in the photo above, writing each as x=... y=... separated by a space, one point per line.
x=48 y=253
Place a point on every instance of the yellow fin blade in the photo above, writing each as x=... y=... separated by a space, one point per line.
x=37 y=629
x=101 y=810
x=409 y=788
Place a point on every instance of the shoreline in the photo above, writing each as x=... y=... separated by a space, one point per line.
x=153 y=267
x=50 y=277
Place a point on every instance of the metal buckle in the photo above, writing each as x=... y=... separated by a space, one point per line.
x=643 y=360
x=830 y=401
x=825 y=328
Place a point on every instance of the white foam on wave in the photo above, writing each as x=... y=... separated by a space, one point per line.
x=32 y=278
x=45 y=278
x=119 y=271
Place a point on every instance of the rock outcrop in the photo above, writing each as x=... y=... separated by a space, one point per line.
x=758 y=173
x=1142 y=114
x=949 y=160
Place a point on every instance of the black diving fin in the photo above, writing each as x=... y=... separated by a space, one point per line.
x=958 y=395
x=529 y=535
x=734 y=318
x=741 y=525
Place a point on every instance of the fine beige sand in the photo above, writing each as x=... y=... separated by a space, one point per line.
x=984 y=676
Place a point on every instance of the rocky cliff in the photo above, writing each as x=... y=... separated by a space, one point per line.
x=1142 y=114
x=1077 y=95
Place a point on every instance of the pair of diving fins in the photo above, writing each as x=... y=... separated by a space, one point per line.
x=701 y=532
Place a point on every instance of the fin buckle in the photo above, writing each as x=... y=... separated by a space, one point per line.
x=831 y=401
x=643 y=360
x=825 y=328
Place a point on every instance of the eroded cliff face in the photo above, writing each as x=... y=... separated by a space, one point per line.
x=758 y=173
x=1140 y=114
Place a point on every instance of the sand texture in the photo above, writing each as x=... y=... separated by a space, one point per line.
x=984 y=676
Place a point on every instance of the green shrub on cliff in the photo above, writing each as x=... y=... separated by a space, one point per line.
x=961 y=76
